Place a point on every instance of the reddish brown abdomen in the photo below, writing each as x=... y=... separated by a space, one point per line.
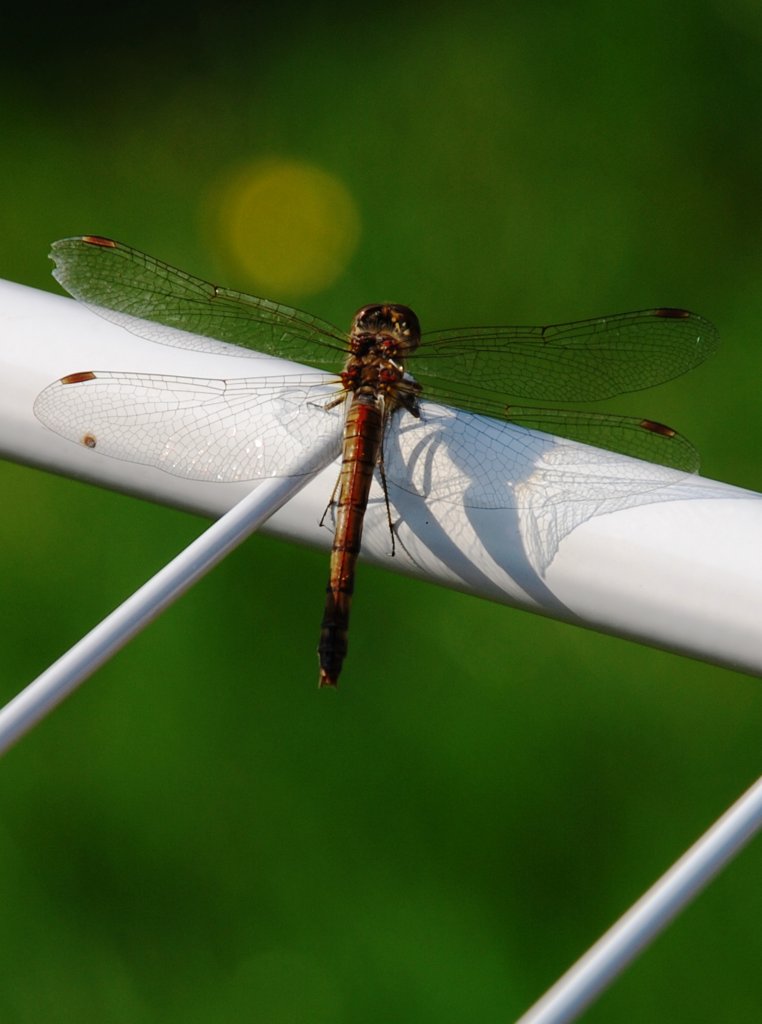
x=362 y=444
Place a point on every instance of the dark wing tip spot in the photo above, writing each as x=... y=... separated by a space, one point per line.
x=672 y=314
x=78 y=378
x=658 y=428
x=106 y=243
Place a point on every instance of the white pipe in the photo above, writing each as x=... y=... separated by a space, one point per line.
x=598 y=540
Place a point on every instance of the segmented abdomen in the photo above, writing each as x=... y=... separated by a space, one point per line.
x=362 y=445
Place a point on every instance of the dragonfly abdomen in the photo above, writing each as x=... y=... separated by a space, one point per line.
x=362 y=445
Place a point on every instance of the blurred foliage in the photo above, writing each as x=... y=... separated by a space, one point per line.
x=199 y=834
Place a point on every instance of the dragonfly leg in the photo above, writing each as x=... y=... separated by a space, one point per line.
x=382 y=474
x=331 y=501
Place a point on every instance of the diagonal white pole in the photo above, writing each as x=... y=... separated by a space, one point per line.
x=592 y=973
x=65 y=675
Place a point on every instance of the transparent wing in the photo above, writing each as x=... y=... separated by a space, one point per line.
x=130 y=288
x=639 y=438
x=200 y=429
x=479 y=369
x=585 y=361
x=449 y=455
x=252 y=428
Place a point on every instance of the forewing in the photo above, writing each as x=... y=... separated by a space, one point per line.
x=146 y=296
x=482 y=368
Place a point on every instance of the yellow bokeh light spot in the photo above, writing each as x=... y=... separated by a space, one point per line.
x=290 y=227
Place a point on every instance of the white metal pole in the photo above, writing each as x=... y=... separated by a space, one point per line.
x=677 y=564
x=64 y=675
x=593 y=972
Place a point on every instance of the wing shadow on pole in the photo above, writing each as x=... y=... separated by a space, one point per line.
x=492 y=501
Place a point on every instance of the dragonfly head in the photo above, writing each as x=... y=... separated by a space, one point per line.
x=388 y=323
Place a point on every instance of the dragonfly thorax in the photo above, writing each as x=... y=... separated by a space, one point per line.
x=370 y=377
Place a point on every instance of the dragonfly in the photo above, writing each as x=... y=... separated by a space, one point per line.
x=365 y=380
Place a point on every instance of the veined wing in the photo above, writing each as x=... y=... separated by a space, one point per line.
x=584 y=361
x=471 y=368
x=129 y=287
x=451 y=456
x=196 y=428
x=479 y=369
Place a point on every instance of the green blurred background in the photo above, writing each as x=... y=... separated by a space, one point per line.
x=200 y=834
